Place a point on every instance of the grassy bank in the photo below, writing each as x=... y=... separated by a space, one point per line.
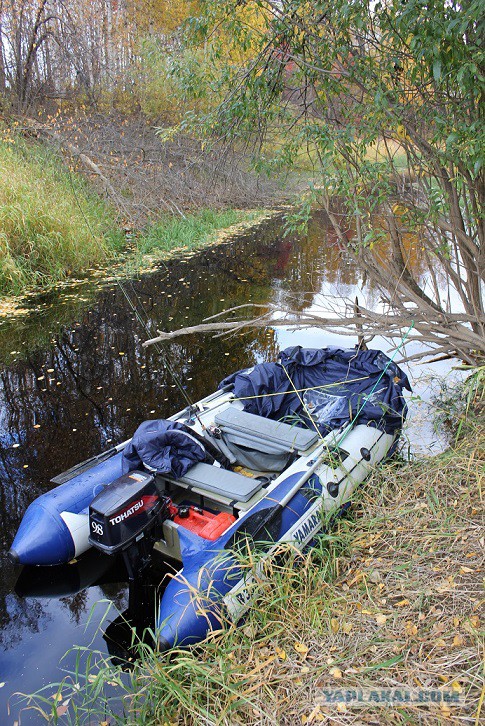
x=191 y=231
x=391 y=598
x=51 y=225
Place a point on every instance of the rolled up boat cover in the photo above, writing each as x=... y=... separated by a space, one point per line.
x=335 y=386
x=165 y=447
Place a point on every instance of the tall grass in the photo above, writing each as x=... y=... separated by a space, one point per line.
x=53 y=226
x=50 y=223
x=192 y=230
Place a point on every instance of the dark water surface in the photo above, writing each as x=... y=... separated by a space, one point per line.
x=74 y=379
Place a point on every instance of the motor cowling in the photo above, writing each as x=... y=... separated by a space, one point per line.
x=127 y=510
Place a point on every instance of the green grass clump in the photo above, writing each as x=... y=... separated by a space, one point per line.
x=192 y=230
x=50 y=224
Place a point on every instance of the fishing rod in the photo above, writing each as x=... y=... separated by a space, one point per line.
x=145 y=324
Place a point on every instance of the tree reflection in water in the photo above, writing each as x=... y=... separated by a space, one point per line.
x=75 y=378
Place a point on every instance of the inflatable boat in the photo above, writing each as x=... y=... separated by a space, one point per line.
x=264 y=460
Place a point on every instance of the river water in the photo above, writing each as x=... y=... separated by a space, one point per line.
x=74 y=379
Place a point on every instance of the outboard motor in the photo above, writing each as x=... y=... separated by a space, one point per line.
x=127 y=517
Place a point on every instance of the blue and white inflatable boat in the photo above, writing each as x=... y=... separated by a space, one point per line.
x=262 y=460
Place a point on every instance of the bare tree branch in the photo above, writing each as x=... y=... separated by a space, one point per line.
x=443 y=334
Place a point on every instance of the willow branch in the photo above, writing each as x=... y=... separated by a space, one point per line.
x=443 y=333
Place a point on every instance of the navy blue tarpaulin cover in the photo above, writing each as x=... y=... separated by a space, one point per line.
x=340 y=384
x=166 y=447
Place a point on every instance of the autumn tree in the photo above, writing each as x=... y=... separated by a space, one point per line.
x=52 y=48
x=24 y=30
x=387 y=99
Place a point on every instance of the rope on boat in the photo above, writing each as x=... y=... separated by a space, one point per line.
x=300 y=390
x=352 y=423
x=320 y=435
x=350 y=426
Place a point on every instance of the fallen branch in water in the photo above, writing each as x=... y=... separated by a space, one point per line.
x=447 y=334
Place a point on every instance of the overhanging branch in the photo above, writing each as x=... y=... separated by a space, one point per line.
x=449 y=333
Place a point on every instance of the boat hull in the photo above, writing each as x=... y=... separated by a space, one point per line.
x=215 y=586
x=285 y=482
x=55 y=527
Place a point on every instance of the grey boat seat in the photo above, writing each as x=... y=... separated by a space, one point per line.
x=222 y=482
x=263 y=434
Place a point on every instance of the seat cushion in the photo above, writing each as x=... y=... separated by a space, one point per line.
x=221 y=481
x=263 y=434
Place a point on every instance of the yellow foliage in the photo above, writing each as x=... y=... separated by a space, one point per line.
x=256 y=20
x=160 y=16
x=401 y=132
